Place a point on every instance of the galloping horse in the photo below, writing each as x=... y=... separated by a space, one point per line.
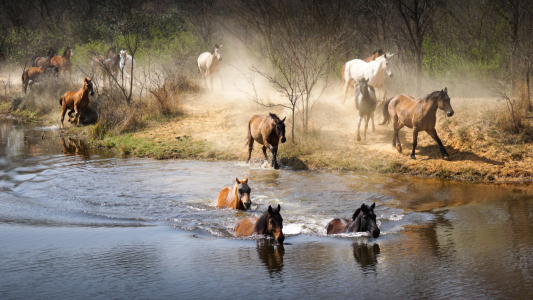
x=36 y=73
x=376 y=54
x=270 y=223
x=237 y=197
x=267 y=131
x=43 y=61
x=76 y=101
x=63 y=62
x=420 y=115
x=365 y=102
x=363 y=220
x=108 y=65
x=374 y=71
x=127 y=63
x=209 y=63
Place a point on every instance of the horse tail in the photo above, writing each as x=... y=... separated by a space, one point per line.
x=61 y=101
x=386 y=115
x=249 y=136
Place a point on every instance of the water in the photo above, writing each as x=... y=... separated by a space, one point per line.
x=84 y=224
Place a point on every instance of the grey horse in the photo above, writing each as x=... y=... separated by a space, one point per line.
x=365 y=102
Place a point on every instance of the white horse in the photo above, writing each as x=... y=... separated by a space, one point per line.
x=126 y=61
x=209 y=63
x=374 y=71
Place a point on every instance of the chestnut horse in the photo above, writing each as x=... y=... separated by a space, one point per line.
x=36 y=73
x=270 y=223
x=420 y=115
x=76 y=101
x=267 y=131
x=363 y=220
x=376 y=54
x=237 y=197
x=209 y=63
x=44 y=61
x=63 y=62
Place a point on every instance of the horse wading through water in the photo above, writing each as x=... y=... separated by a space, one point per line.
x=63 y=62
x=76 y=102
x=267 y=131
x=420 y=115
x=365 y=102
x=237 y=197
x=209 y=63
x=36 y=74
x=374 y=71
x=270 y=223
x=44 y=61
x=363 y=220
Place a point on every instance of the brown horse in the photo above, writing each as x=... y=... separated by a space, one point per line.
x=420 y=115
x=76 y=101
x=37 y=73
x=376 y=54
x=44 y=61
x=270 y=223
x=267 y=131
x=363 y=220
x=237 y=197
x=63 y=62
x=108 y=65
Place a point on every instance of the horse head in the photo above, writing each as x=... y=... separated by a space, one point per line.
x=69 y=52
x=244 y=191
x=89 y=85
x=365 y=220
x=280 y=126
x=363 y=84
x=216 y=52
x=444 y=102
x=387 y=64
x=275 y=224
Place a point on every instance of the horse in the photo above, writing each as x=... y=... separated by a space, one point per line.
x=37 y=73
x=267 y=131
x=363 y=220
x=376 y=54
x=76 y=101
x=374 y=71
x=237 y=197
x=127 y=63
x=108 y=65
x=420 y=115
x=365 y=102
x=209 y=63
x=63 y=62
x=43 y=61
x=270 y=223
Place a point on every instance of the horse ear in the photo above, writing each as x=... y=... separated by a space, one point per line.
x=283 y=119
x=85 y=79
x=373 y=205
x=279 y=207
x=269 y=210
x=237 y=179
x=245 y=180
x=446 y=89
x=364 y=208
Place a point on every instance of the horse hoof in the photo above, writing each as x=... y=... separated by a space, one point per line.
x=399 y=149
x=413 y=157
x=445 y=157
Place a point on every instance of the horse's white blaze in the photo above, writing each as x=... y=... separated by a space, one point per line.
x=71 y=53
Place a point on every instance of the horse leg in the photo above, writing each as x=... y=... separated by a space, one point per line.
x=358 y=128
x=433 y=134
x=250 y=147
x=79 y=117
x=373 y=126
x=367 y=118
x=415 y=142
x=346 y=85
x=63 y=116
x=274 y=151
x=265 y=152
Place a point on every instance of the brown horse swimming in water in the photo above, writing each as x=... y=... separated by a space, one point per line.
x=363 y=220
x=63 y=62
x=270 y=223
x=76 y=101
x=376 y=54
x=420 y=115
x=237 y=197
x=37 y=73
x=267 y=131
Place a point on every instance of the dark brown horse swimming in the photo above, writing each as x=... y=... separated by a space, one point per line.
x=267 y=131
x=44 y=61
x=420 y=115
x=237 y=197
x=270 y=223
x=35 y=74
x=63 y=62
x=363 y=220
x=76 y=102
x=376 y=54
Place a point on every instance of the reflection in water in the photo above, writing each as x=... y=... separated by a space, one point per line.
x=74 y=146
x=271 y=255
x=366 y=255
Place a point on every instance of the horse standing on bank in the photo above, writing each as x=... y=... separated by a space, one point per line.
x=376 y=54
x=420 y=115
x=365 y=102
x=267 y=131
x=76 y=102
x=44 y=61
x=270 y=223
x=209 y=63
x=363 y=220
x=236 y=197
x=374 y=71
x=37 y=73
x=63 y=62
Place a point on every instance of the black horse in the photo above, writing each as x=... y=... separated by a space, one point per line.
x=363 y=220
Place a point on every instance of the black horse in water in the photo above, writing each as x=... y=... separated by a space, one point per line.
x=363 y=220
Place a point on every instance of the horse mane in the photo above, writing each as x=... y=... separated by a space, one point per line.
x=432 y=95
x=262 y=223
x=235 y=192
x=356 y=213
x=274 y=117
x=65 y=52
x=51 y=53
